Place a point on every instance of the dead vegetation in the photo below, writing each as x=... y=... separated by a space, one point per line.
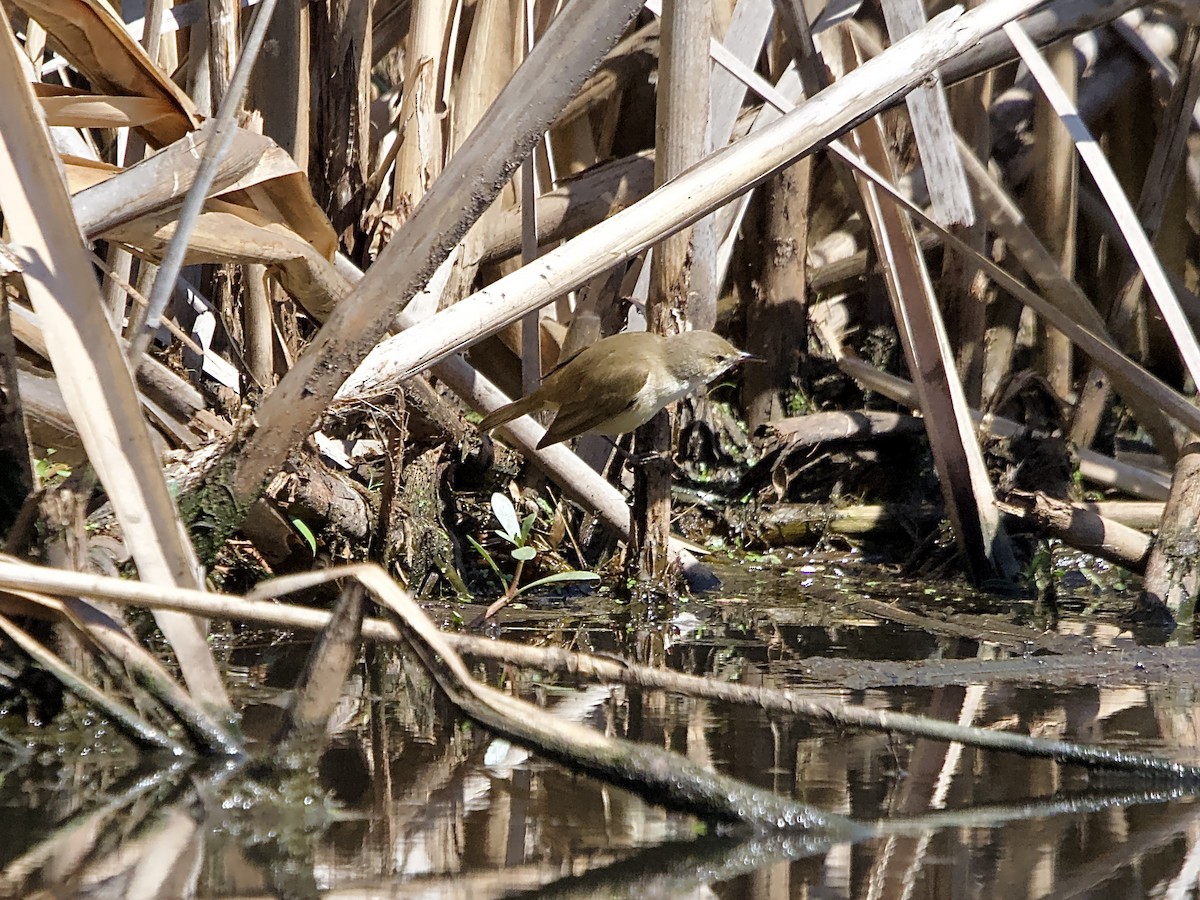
x=263 y=266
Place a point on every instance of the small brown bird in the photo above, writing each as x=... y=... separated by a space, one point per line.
x=620 y=382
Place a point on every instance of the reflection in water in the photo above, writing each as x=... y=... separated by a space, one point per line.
x=407 y=800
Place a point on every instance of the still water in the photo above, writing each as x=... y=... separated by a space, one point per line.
x=407 y=800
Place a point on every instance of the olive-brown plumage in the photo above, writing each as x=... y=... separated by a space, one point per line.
x=620 y=382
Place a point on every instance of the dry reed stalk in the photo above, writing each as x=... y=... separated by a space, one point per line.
x=970 y=501
x=95 y=381
x=680 y=141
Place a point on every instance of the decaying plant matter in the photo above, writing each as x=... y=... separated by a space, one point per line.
x=264 y=270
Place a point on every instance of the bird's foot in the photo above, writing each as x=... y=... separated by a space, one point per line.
x=641 y=460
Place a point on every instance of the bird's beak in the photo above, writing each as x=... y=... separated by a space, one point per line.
x=749 y=357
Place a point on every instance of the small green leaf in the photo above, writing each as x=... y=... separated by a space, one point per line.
x=524 y=554
x=560 y=577
x=306 y=533
x=527 y=526
x=47 y=470
x=506 y=515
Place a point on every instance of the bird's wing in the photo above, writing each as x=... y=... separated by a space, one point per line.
x=595 y=355
x=594 y=406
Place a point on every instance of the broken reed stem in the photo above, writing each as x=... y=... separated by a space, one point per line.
x=254 y=607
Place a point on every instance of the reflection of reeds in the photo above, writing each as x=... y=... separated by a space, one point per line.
x=361 y=182
x=253 y=608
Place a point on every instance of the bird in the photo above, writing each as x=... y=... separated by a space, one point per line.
x=620 y=382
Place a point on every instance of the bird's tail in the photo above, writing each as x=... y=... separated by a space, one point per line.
x=507 y=413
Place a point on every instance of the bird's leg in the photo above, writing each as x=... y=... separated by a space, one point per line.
x=636 y=460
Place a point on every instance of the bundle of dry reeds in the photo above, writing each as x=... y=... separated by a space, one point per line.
x=229 y=227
